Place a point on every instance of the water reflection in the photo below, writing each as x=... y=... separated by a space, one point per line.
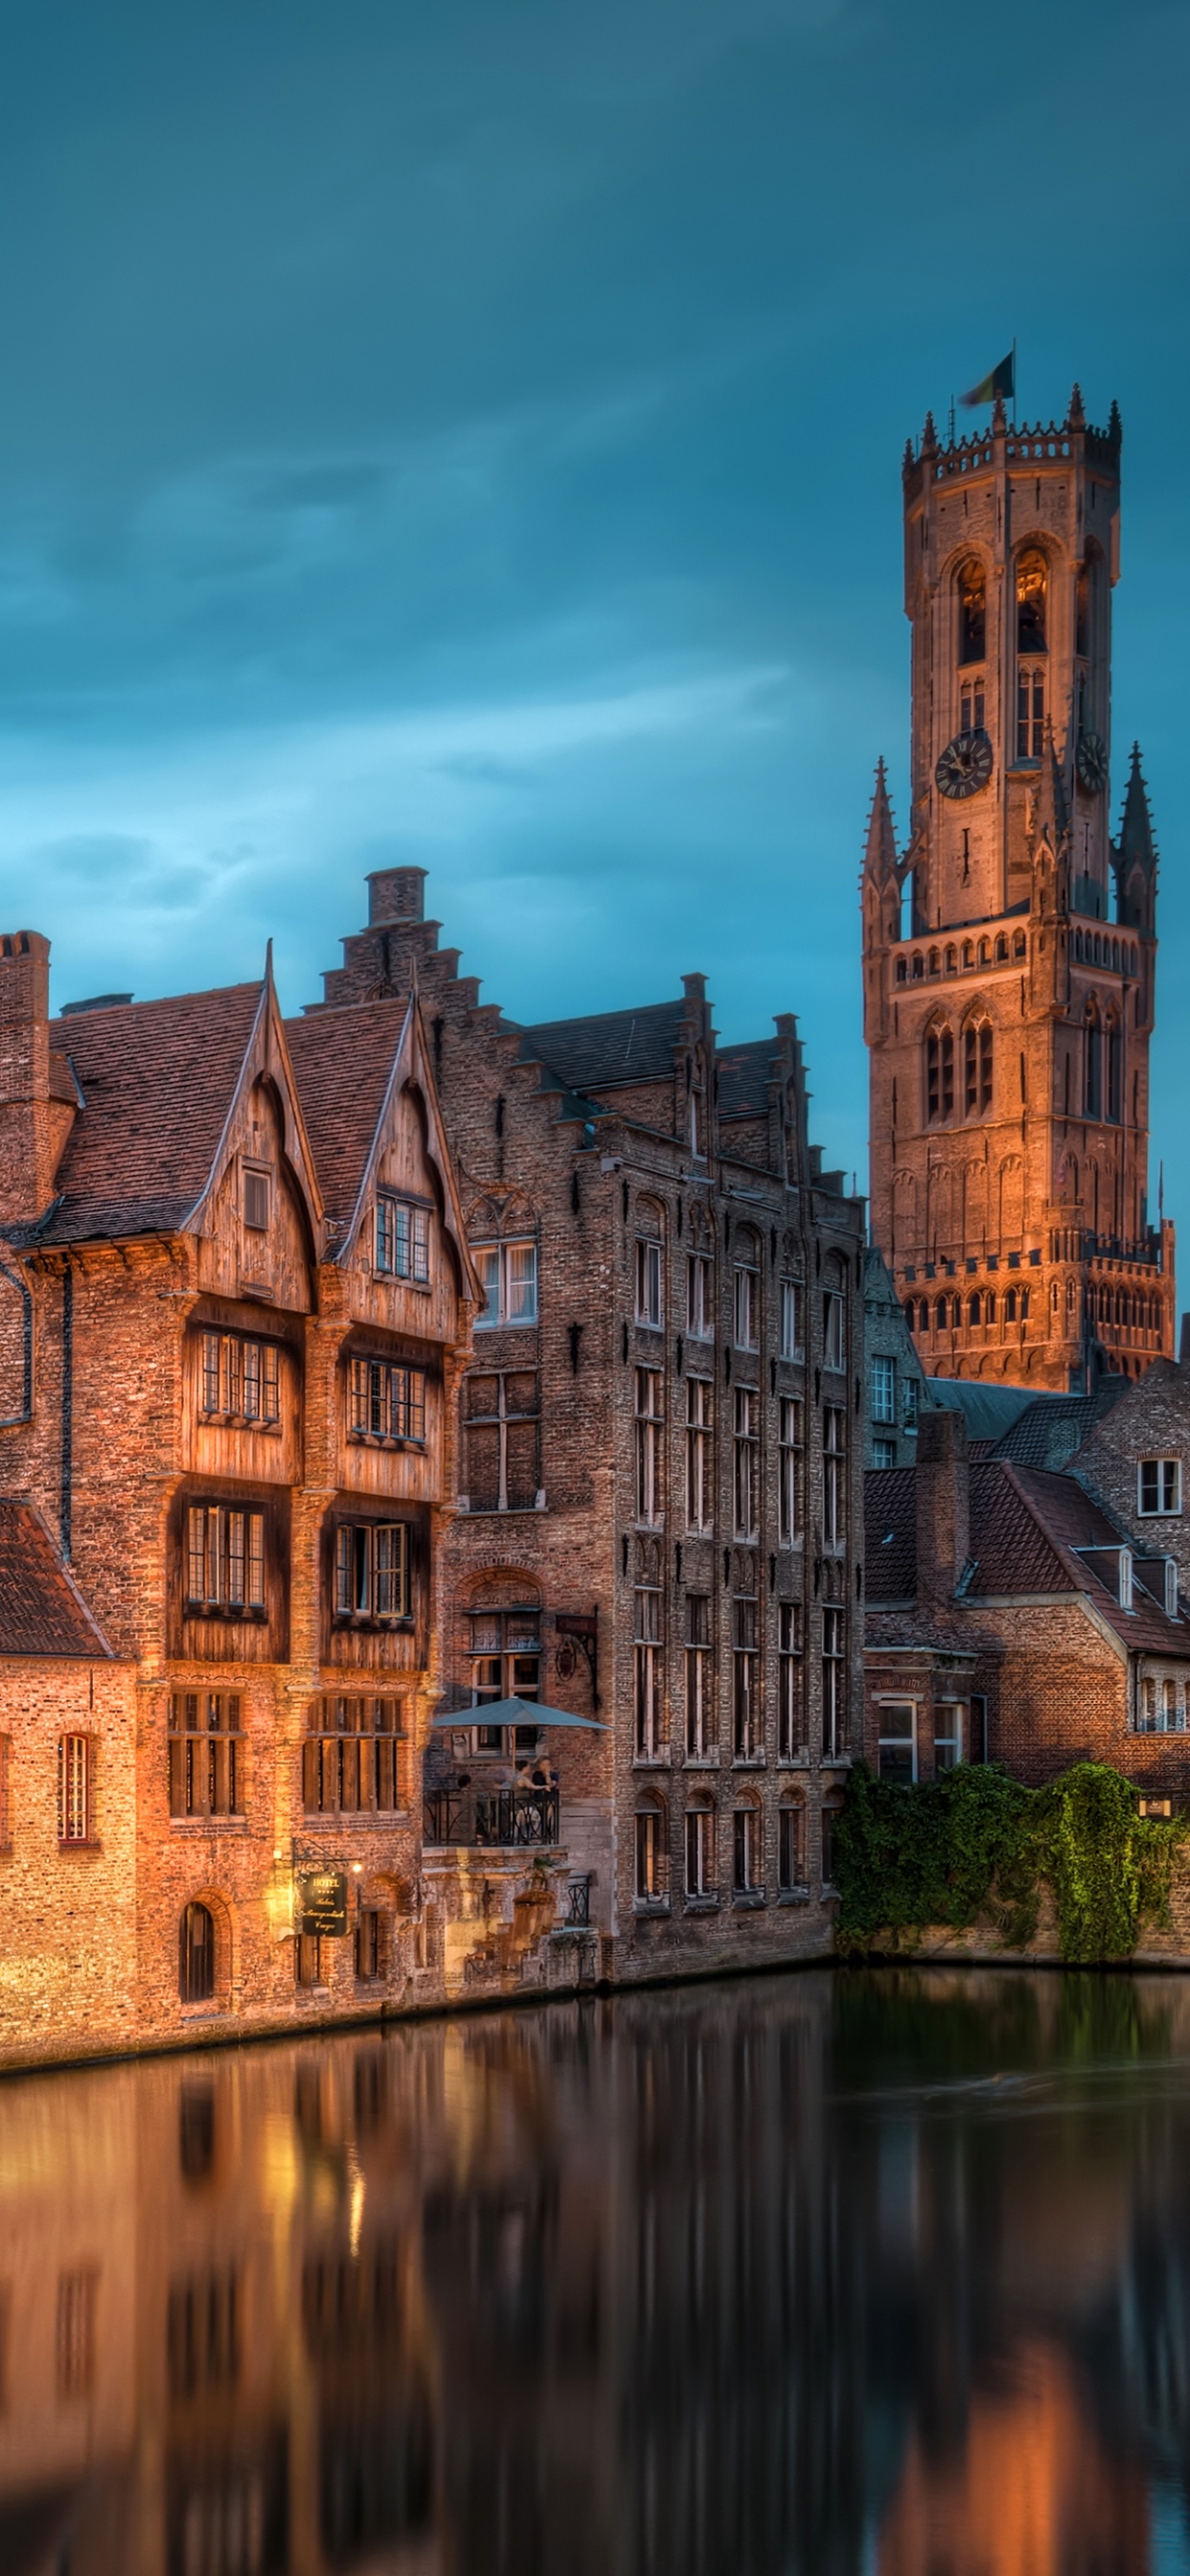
x=866 y=2276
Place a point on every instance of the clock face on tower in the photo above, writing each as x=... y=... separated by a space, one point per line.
x=966 y=764
x=1090 y=760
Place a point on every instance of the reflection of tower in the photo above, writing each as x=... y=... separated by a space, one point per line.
x=1008 y=1019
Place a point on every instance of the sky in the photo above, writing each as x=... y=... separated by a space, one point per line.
x=468 y=432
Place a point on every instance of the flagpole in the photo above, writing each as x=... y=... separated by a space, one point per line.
x=1015 y=406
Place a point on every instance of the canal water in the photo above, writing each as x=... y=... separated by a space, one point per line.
x=819 y=2275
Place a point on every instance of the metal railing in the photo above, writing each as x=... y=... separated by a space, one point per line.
x=493 y=1819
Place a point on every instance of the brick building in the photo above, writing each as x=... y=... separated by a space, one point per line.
x=1012 y=1619
x=896 y=1384
x=235 y=1304
x=1009 y=953
x=661 y=1457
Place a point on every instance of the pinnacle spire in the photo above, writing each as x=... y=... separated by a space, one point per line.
x=1076 y=417
x=929 y=437
x=1049 y=817
x=880 y=853
x=1136 y=846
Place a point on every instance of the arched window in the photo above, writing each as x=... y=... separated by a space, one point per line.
x=1024 y=1305
x=902 y=971
x=939 y=1075
x=1010 y=1305
x=1031 y=578
x=1019 y=944
x=651 y=1853
x=989 y=1311
x=973 y=596
x=952 y=961
x=918 y=965
x=977 y=1069
x=1115 y=956
x=942 y=1313
x=968 y=952
x=974 y=1315
x=1082 y=612
x=935 y=962
x=196 y=1955
x=701 y=1870
x=985 y=952
x=1001 y=950
x=1093 y=1067
x=1114 y=1050
x=747 y=1855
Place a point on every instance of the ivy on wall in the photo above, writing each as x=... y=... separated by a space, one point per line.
x=976 y=1844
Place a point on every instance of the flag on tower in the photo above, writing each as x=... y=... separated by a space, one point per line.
x=1002 y=381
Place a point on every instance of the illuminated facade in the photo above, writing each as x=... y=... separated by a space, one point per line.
x=1010 y=950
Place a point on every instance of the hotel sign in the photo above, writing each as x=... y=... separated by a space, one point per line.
x=320 y=1902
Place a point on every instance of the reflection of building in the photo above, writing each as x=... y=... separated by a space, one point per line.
x=660 y=1459
x=1008 y=1019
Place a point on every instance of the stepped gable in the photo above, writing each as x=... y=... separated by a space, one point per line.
x=156 y=1081
x=42 y=1611
x=342 y=1061
x=606 y=1048
x=745 y=1073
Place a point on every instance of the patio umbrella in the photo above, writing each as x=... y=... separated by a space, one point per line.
x=515 y=1712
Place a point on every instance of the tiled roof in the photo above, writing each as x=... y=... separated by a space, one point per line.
x=610 y=1047
x=157 y=1081
x=1050 y=1429
x=1026 y=1524
x=744 y=1075
x=42 y=1611
x=987 y=1410
x=342 y=1060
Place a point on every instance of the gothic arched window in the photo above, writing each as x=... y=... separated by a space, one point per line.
x=1093 y=1065
x=1031 y=582
x=974 y=1314
x=973 y=596
x=1114 y=1052
x=939 y=1075
x=977 y=1069
x=196 y=1955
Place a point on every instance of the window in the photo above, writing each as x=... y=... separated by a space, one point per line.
x=791 y=1721
x=1093 y=1065
x=971 y=711
x=834 y=1506
x=834 y=1329
x=747 y=1860
x=949 y=1731
x=1161 y=1711
x=505 y=1663
x=747 y=1462
x=1030 y=716
x=224 y=1559
x=884 y=1453
x=977 y=1069
x=1031 y=573
x=350 y=1757
x=1114 y=1048
x=258 y=1194
x=792 y=1873
x=1159 y=1487
x=652 y=1875
x=792 y=1329
x=897 y=1757
x=388 y=1401
x=508 y=1273
x=75 y=1786
x=789 y=1470
x=650 y=1492
x=939 y=1075
x=700 y=1713
x=204 y=1753
x=699 y=1508
x=972 y=590
x=834 y=1684
x=196 y=1955
x=402 y=1238
x=648 y=1284
x=372 y=1578
x=501 y=1427
x=700 y=1310
x=748 y=1722
x=700 y=1852
x=240 y=1378
x=369 y=1946
x=882 y=1389
x=647 y=1672
x=747 y=1306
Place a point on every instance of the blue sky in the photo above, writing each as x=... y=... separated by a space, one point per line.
x=470 y=433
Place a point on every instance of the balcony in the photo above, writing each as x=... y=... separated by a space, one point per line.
x=493 y=1819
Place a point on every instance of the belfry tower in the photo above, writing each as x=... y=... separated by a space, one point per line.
x=1010 y=951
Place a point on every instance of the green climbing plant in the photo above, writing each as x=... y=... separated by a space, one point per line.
x=977 y=1845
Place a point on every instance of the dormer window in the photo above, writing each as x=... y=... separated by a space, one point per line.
x=402 y=1239
x=258 y=1197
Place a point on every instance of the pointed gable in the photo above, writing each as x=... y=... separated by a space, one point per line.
x=156 y=1081
x=354 y=1068
x=260 y=1217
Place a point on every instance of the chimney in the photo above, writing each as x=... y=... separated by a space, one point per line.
x=942 y=1496
x=27 y=1157
x=396 y=895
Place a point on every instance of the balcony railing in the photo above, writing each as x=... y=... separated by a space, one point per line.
x=493 y=1819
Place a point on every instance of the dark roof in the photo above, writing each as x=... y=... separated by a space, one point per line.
x=609 y=1047
x=1050 y=1429
x=157 y=1080
x=744 y=1074
x=42 y=1611
x=342 y=1061
x=987 y=1410
x=1026 y=1524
